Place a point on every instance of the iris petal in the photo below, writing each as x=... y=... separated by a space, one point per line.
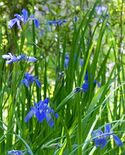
x=66 y=62
x=36 y=23
x=12 y=23
x=31 y=59
x=25 y=15
x=38 y=83
x=100 y=142
x=29 y=115
x=107 y=128
x=25 y=81
x=117 y=140
x=86 y=78
x=21 y=57
x=40 y=116
x=15 y=152
x=85 y=86
x=6 y=56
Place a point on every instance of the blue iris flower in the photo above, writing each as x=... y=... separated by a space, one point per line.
x=57 y=22
x=19 y=18
x=22 y=18
x=29 y=79
x=12 y=58
x=15 y=152
x=100 y=138
x=42 y=111
x=85 y=85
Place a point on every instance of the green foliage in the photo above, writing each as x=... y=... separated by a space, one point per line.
x=96 y=39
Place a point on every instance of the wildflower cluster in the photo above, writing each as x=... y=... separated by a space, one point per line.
x=100 y=138
x=42 y=110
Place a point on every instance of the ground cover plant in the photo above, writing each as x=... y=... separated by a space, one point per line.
x=62 y=77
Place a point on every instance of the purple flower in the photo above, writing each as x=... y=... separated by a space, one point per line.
x=22 y=18
x=15 y=152
x=42 y=112
x=100 y=141
x=19 y=18
x=100 y=138
x=29 y=79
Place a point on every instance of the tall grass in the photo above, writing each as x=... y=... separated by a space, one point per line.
x=91 y=39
